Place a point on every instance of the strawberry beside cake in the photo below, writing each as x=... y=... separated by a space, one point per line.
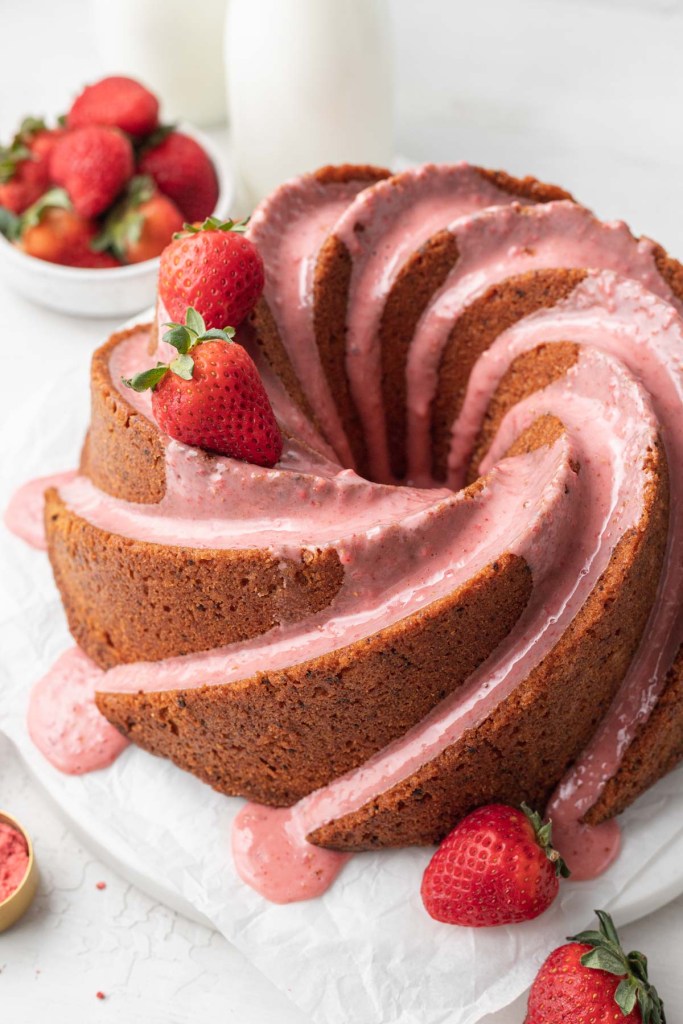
x=405 y=543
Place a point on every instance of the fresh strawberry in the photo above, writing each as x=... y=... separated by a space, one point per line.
x=496 y=867
x=94 y=260
x=22 y=181
x=592 y=981
x=184 y=172
x=60 y=236
x=141 y=225
x=23 y=177
x=51 y=230
x=211 y=396
x=43 y=142
x=38 y=138
x=94 y=165
x=214 y=269
x=116 y=102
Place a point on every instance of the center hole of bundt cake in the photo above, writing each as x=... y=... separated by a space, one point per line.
x=431 y=462
x=412 y=448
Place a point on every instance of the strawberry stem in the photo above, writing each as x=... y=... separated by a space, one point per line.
x=55 y=197
x=184 y=338
x=544 y=835
x=147 y=379
x=10 y=224
x=18 y=150
x=28 y=128
x=214 y=224
x=155 y=138
x=123 y=224
x=608 y=955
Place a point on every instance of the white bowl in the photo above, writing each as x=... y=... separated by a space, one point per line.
x=118 y=291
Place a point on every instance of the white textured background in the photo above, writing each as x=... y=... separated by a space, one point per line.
x=584 y=92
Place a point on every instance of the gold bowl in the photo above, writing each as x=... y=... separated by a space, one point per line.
x=18 y=902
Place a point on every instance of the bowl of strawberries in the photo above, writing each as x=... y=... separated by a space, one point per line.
x=88 y=204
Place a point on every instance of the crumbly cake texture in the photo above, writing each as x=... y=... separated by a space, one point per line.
x=279 y=735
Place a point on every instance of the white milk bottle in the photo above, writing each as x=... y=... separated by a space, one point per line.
x=175 y=47
x=309 y=83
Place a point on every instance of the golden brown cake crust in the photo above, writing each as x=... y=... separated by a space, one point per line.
x=525 y=188
x=280 y=735
x=670 y=269
x=656 y=749
x=266 y=335
x=524 y=747
x=261 y=319
x=330 y=295
x=330 y=300
x=528 y=373
x=341 y=174
x=128 y=600
x=501 y=306
x=417 y=281
x=124 y=452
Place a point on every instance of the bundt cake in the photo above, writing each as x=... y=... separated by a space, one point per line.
x=462 y=583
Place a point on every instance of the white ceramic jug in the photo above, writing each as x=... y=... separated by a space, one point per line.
x=173 y=46
x=309 y=83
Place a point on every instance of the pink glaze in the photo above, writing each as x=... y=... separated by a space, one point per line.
x=25 y=513
x=63 y=720
x=568 y=545
x=13 y=860
x=389 y=572
x=218 y=502
x=162 y=318
x=647 y=336
x=383 y=227
x=279 y=863
x=133 y=355
x=498 y=244
x=289 y=228
x=587 y=850
x=290 y=417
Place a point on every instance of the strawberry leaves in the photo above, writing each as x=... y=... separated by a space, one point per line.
x=148 y=379
x=155 y=138
x=18 y=149
x=55 y=197
x=182 y=366
x=123 y=224
x=13 y=226
x=29 y=128
x=608 y=955
x=238 y=227
x=194 y=321
x=10 y=224
x=544 y=834
x=10 y=156
x=184 y=338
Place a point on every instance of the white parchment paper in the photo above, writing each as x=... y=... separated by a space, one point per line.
x=366 y=951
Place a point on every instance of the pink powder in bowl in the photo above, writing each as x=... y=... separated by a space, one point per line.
x=13 y=860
